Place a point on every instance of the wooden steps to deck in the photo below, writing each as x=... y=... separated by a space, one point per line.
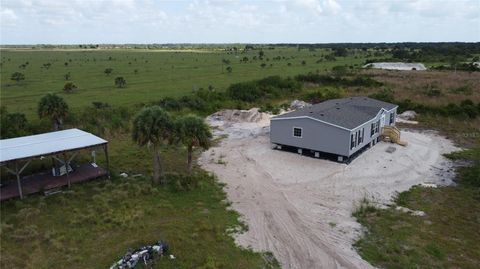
x=392 y=134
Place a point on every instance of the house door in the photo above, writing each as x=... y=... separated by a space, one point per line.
x=382 y=121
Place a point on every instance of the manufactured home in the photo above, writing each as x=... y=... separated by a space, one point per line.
x=338 y=129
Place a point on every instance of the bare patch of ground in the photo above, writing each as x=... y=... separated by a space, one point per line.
x=300 y=208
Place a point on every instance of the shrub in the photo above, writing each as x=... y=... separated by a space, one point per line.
x=273 y=86
x=12 y=124
x=338 y=81
x=120 y=82
x=467 y=90
x=269 y=108
x=17 y=76
x=108 y=71
x=323 y=95
x=385 y=95
x=433 y=92
x=69 y=87
x=186 y=182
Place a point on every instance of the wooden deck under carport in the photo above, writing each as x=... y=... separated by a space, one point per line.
x=41 y=182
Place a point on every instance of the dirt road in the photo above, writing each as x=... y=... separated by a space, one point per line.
x=300 y=208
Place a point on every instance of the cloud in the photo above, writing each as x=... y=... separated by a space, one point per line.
x=7 y=17
x=144 y=21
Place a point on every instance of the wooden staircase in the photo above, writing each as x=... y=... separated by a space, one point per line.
x=392 y=134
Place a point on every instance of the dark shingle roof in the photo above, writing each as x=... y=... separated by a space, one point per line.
x=346 y=112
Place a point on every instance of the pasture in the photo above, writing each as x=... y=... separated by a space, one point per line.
x=150 y=75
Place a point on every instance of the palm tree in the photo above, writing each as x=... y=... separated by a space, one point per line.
x=192 y=131
x=53 y=107
x=153 y=126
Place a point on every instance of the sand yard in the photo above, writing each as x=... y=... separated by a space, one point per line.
x=300 y=208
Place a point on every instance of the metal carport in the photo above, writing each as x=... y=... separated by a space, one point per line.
x=20 y=151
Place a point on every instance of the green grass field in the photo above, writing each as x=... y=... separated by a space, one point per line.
x=94 y=223
x=160 y=73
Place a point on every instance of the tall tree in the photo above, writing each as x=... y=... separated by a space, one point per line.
x=153 y=126
x=192 y=131
x=53 y=107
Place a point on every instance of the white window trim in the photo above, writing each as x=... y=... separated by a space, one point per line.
x=301 y=132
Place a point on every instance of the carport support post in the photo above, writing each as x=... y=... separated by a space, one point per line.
x=66 y=168
x=105 y=149
x=18 y=180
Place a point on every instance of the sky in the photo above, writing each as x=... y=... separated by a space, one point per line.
x=237 y=21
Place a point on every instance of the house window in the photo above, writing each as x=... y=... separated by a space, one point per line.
x=376 y=127
x=352 y=141
x=297 y=132
x=392 y=118
x=372 y=129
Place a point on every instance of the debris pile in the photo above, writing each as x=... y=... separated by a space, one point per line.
x=239 y=123
x=298 y=104
x=235 y=115
x=408 y=115
x=145 y=254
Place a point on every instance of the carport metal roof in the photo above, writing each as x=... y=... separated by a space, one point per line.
x=26 y=148
x=46 y=144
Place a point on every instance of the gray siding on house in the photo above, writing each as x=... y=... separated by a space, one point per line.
x=366 y=127
x=316 y=135
x=324 y=137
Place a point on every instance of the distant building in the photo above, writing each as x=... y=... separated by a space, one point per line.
x=337 y=129
x=397 y=66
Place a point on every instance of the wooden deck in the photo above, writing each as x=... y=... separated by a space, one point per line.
x=45 y=181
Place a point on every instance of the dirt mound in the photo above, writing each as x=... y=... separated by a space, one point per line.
x=235 y=115
x=236 y=123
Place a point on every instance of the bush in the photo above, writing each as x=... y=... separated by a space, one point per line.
x=338 y=81
x=102 y=117
x=323 y=95
x=69 y=87
x=385 y=95
x=433 y=92
x=268 y=87
x=269 y=108
x=467 y=90
x=12 y=124
x=187 y=182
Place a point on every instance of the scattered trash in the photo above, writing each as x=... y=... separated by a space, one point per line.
x=417 y=213
x=145 y=254
x=124 y=175
x=53 y=191
x=428 y=185
x=172 y=257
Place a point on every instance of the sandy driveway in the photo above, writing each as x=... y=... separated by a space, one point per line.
x=298 y=207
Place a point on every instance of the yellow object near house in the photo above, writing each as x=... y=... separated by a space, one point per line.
x=392 y=134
